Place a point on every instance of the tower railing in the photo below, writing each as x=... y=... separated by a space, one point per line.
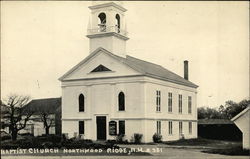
x=105 y=29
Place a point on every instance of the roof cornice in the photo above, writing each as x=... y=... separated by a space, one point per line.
x=107 y=5
x=108 y=34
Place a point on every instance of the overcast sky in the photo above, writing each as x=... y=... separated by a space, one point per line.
x=41 y=40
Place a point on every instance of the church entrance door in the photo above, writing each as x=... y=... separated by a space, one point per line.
x=101 y=127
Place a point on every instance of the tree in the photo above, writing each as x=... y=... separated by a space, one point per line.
x=47 y=121
x=15 y=116
x=232 y=108
x=209 y=113
x=227 y=111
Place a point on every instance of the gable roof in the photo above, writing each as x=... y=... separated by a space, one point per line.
x=49 y=105
x=144 y=67
x=214 y=121
x=241 y=113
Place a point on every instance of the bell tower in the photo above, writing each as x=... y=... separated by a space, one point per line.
x=107 y=27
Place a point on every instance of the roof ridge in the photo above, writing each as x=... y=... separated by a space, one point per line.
x=143 y=60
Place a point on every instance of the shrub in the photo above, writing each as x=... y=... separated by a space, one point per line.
x=9 y=146
x=157 y=138
x=137 y=138
x=5 y=138
x=120 y=138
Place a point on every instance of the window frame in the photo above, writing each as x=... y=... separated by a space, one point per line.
x=189 y=104
x=158 y=101
x=81 y=103
x=122 y=123
x=81 y=127
x=170 y=102
x=170 y=128
x=180 y=127
x=190 y=127
x=121 y=101
x=180 y=103
x=158 y=127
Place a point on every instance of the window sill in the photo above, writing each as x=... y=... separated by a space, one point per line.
x=158 y=111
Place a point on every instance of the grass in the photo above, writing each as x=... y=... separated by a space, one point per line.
x=232 y=151
x=213 y=146
x=200 y=142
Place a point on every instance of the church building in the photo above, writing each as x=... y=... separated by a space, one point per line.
x=110 y=93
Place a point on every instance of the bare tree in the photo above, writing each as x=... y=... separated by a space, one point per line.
x=16 y=116
x=47 y=121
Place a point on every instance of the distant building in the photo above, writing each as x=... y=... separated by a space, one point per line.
x=218 y=129
x=50 y=106
x=111 y=93
x=242 y=120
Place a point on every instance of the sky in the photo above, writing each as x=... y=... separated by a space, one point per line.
x=41 y=40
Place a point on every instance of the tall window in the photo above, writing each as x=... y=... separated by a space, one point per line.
x=81 y=127
x=170 y=127
x=121 y=127
x=118 y=23
x=190 y=127
x=180 y=103
x=189 y=104
x=158 y=101
x=81 y=103
x=180 y=127
x=121 y=101
x=158 y=127
x=170 y=102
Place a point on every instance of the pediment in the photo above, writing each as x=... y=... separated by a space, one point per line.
x=97 y=65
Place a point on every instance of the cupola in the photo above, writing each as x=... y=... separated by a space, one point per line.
x=107 y=27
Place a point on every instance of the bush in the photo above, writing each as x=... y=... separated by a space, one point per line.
x=120 y=138
x=137 y=138
x=5 y=138
x=9 y=146
x=26 y=134
x=157 y=138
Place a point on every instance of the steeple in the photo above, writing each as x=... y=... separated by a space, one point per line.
x=107 y=27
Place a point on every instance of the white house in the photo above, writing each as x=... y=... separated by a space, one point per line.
x=242 y=120
x=111 y=93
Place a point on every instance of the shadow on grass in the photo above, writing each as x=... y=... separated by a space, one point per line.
x=202 y=142
x=232 y=148
x=232 y=151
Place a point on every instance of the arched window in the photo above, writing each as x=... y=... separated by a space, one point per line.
x=102 y=22
x=81 y=103
x=121 y=101
x=118 y=23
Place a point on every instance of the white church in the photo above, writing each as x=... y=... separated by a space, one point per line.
x=110 y=93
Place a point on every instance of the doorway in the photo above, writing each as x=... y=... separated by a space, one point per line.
x=101 y=127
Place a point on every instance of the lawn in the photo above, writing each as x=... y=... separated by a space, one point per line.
x=213 y=146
